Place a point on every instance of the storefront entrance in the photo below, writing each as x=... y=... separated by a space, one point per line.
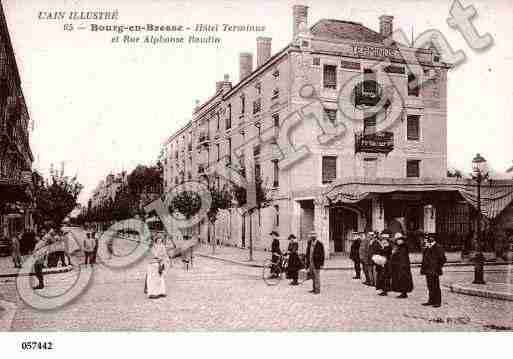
x=343 y=222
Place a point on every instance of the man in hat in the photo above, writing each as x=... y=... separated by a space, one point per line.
x=365 y=259
x=354 y=255
x=315 y=253
x=433 y=259
x=275 y=252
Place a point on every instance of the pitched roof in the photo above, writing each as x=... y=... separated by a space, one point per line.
x=342 y=30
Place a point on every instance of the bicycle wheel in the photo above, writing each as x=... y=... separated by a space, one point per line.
x=269 y=275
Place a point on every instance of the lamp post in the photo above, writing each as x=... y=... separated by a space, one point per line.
x=480 y=174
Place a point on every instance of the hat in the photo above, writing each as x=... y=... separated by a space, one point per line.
x=274 y=233
x=371 y=233
x=291 y=236
x=398 y=235
x=385 y=235
x=312 y=234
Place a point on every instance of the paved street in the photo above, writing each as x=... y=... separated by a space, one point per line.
x=220 y=296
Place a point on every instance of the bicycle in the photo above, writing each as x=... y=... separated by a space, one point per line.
x=272 y=272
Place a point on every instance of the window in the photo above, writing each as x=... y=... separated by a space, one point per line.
x=229 y=150
x=242 y=104
x=257 y=171
x=277 y=211
x=229 y=118
x=257 y=106
x=276 y=174
x=218 y=119
x=330 y=115
x=369 y=125
x=218 y=150
x=413 y=85
x=256 y=151
x=330 y=76
x=276 y=73
x=412 y=168
x=369 y=81
x=276 y=94
x=316 y=61
x=329 y=169
x=370 y=167
x=413 y=127
x=258 y=87
x=276 y=120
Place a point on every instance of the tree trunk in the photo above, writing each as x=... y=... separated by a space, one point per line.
x=250 y=237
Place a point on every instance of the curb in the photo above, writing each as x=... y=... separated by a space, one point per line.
x=456 y=288
x=45 y=272
x=413 y=265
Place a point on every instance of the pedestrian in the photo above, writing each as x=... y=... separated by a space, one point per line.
x=16 y=250
x=294 y=261
x=276 y=253
x=400 y=267
x=65 y=240
x=433 y=260
x=41 y=256
x=315 y=251
x=354 y=255
x=95 y=250
x=382 y=261
x=155 y=281
x=59 y=248
x=374 y=248
x=88 y=249
x=364 y=258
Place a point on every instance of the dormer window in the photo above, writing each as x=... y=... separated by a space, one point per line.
x=413 y=85
x=330 y=77
x=258 y=87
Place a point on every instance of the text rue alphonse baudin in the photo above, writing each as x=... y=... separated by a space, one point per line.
x=144 y=33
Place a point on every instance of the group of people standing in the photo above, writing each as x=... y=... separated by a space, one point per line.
x=314 y=259
x=51 y=249
x=385 y=262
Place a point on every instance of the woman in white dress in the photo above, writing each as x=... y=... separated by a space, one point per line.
x=155 y=286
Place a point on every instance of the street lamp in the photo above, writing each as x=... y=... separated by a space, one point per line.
x=479 y=174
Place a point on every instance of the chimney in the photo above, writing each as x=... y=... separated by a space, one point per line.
x=299 y=15
x=227 y=84
x=219 y=85
x=263 y=50
x=386 y=27
x=245 y=65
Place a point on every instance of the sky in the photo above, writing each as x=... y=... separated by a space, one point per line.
x=100 y=107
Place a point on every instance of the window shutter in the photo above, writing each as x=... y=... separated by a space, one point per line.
x=413 y=127
x=329 y=169
x=330 y=76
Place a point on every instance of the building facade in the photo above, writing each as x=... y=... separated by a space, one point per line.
x=16 y=188
x=107 y=189
x=338 y=105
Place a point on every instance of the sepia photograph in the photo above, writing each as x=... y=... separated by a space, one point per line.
x=255 y=166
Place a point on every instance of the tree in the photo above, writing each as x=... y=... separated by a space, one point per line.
x=454 y=173
x=187 y=203
x=57 y=196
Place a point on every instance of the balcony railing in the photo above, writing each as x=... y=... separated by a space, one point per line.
x=378 y=142
x=367 y=93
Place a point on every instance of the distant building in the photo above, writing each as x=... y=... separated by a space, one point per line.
x=331 y=163
x=107 y=189
x=16 y=188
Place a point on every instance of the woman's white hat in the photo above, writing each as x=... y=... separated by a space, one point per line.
x=398 y=235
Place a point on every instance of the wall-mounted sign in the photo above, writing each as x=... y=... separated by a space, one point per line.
x=374 y=51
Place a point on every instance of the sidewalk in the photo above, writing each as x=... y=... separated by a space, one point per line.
x=502 y=291
x=240 y=256
x=7 y=269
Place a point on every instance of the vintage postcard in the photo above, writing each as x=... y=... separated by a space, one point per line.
x=277 y=166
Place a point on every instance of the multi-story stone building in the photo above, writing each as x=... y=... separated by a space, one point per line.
x=16 y=198
x=107 y=189
x=347 y=129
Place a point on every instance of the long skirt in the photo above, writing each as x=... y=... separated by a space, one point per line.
x=155 y=282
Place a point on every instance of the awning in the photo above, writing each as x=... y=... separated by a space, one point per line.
x=495 y=195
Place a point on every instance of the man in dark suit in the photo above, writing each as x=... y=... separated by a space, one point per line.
x=315 y=254
x=433 y=259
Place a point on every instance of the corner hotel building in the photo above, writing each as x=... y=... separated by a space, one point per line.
x=365 y=179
